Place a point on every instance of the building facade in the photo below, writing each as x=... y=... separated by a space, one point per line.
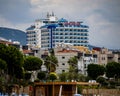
x=45 y=33
x=65 y=51
x=85 y=57
x=63 y=57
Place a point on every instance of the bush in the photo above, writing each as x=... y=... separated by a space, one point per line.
x=27 y=76
x=79 y=89
x=102 y=81
x=41 y=75
x=52 y=76
x=63 y=77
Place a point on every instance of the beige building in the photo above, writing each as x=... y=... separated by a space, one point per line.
x=63 y=56
x=105 y=56
x=65 y=51
x=100 y=56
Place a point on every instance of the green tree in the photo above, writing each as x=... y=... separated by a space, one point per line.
x=13 y=58
x=102 y=81
x=72 y=74
x=73 y=61
x=32 y=63
x=3 y=66
x=41 y=75
x=51 y=62
x=63 y=76
x=27 y=76
x=19 y=73
x=81 y=77
x=113 y=70
x=73 y=69
x=52 y=76
x=25 y=81
x=95 y=70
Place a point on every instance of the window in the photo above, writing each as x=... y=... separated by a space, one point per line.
x=56 y=33
x=103 y=58
x=74 y=41
x=85 y=34
x=85 y=38
x=63 y=57
x=81 y=30
x=63 y=70
x=74 y=37
x=61 y=29
x=57 y=37
x=61 y=33
x=61 y=37
x=66 y=37
x=85 y=66
x=74 y=33
x=78 y=37
x=66 y=41
x=66 y=29
x=57 y=30
x=63 y=63
x=66 y=33
x=74 y=29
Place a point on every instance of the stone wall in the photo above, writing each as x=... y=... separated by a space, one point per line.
x=101 y=92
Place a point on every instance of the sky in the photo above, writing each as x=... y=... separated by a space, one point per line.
x=102 y=16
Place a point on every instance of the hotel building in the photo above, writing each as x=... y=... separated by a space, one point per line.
x=46 y=33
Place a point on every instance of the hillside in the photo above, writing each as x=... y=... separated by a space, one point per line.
x=13 y=34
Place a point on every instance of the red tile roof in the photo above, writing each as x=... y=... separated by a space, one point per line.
x=67 y=51
x=27 y=51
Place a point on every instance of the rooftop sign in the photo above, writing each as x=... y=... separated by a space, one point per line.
x=72 y=23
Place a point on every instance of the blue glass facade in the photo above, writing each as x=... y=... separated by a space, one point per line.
x=67 y=32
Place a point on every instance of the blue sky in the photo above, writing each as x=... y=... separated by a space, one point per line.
x=102 y=16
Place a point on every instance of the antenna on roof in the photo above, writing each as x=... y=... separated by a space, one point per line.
x=52 y=13
x=48 y=14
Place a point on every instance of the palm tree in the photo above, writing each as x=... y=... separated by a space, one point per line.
x=73 y=61
x=51 y=62
x=73 y=69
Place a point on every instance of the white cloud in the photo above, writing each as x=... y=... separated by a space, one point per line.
x=103 y=32
x=23 y=26
x=6 y=23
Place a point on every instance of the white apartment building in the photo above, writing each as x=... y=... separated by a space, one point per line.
x=34 y=31
x=45 y=33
